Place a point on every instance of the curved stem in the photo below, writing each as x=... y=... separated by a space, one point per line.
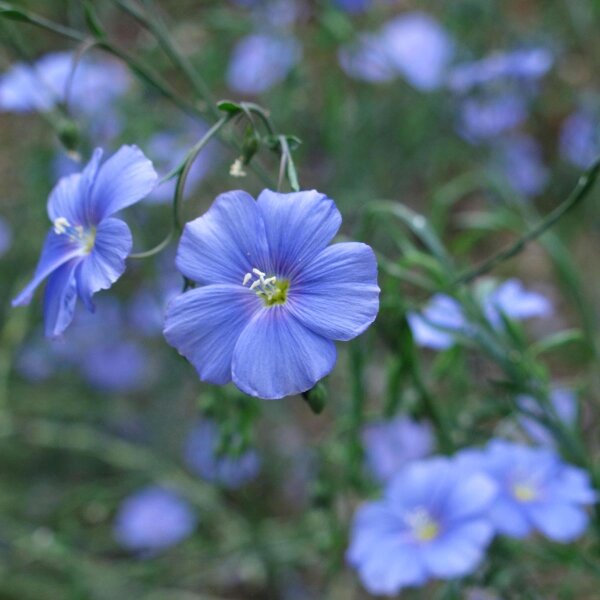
x=584 y=186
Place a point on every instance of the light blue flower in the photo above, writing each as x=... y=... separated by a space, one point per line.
x=367 y=59
x=430 y=524
x=434 y=327
x=260 y=61
x=390 y=445
x=86 y=248
x=527 y=65
x=419 y=48
x=519 y=158
x=5 y=236
x=536 y=491
x=484 y=118
x=40 y=86
x=201 y=456
x=153 y=519
x=580 y=139
x=272 y=295
x=564 y=406
x=513 y=300
x=353 y=6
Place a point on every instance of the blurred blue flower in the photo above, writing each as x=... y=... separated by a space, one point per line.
x=513 y=300
x=519 y=157
x=434 y=326
x=367 y=59
x=390 y=445
x=353 y=6
x=201 y=455
x=5 y=236
x=580 y=139
x=537 y=491
x=85 y=251
x=431 y=523
x=167 y=150
x=484 y=118
x=419 y=48
x=525 y=65
x=564 y=406
x=42 y=85
x=260 y=61
x=272 y=295
x=153 y=519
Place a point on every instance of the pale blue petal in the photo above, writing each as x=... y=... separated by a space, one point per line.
x=509 y=519
x=59 y=299
x=124 y=179
x=459 y=551
x=573 y=485
x=559 y=522
x=106 y=262
x=298 y=226
x=337 y=295
x=58 y=249
x=66 y=201
x=225 y=243
x=470 y=496
x=277 y=356
x=204 y=325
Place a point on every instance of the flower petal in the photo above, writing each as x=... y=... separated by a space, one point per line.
x=337 y=295
x=277 y=356
x=298 y=227
x=106 y=262
x=59 y=299
x=65 y=200
x=204 y=325
x=470 y=497
x=58 y=249
x=225 y=243
x=124 y=179
x=559 y=522
x=509 y=519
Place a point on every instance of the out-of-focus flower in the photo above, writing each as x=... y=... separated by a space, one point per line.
x=420 y=48
x=431 y=523
x=367 y=59
x=5 y=237
x=168 y=149
x=519 y=157
x=272 y=296
x=40 y=86
x=513 y=300
x=201 y=456
x=260 y=61
x=390 y=445
x=537 y=491
x=522 y=65
x=153 y=519
x=564 y=405
x=580 y=139
x=86 y=248
x=434 y=326
x=353 y=6
x=484 y=118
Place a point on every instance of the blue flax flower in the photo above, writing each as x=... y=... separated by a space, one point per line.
x=272 y=295
x=86 y=248
x=201 y=455
x=390 y=445
x=431 y=523
x=153 y=519
x=580 y=139
x=536 y=491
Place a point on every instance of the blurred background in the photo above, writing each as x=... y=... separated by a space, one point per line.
x=122 y=475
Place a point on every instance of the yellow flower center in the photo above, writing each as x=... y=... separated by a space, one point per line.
x=424 y=527
x=273 y=291
x=85 y=238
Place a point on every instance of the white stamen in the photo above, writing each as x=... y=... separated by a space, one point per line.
x=263 y=285
x=60 y=225
x=247 y=278
x=255 y=284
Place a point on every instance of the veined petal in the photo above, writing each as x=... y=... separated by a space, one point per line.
x=336 y=295
x=277 y=356
x=124 y=179
x=58 y=249
x=106 y=262
x=205 y=323
x=59 y=299
x=66 y=200
x=225 y=243
x=298 y=226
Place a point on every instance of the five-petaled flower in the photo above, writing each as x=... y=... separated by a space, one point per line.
x=86 y=248
x=272 y=296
